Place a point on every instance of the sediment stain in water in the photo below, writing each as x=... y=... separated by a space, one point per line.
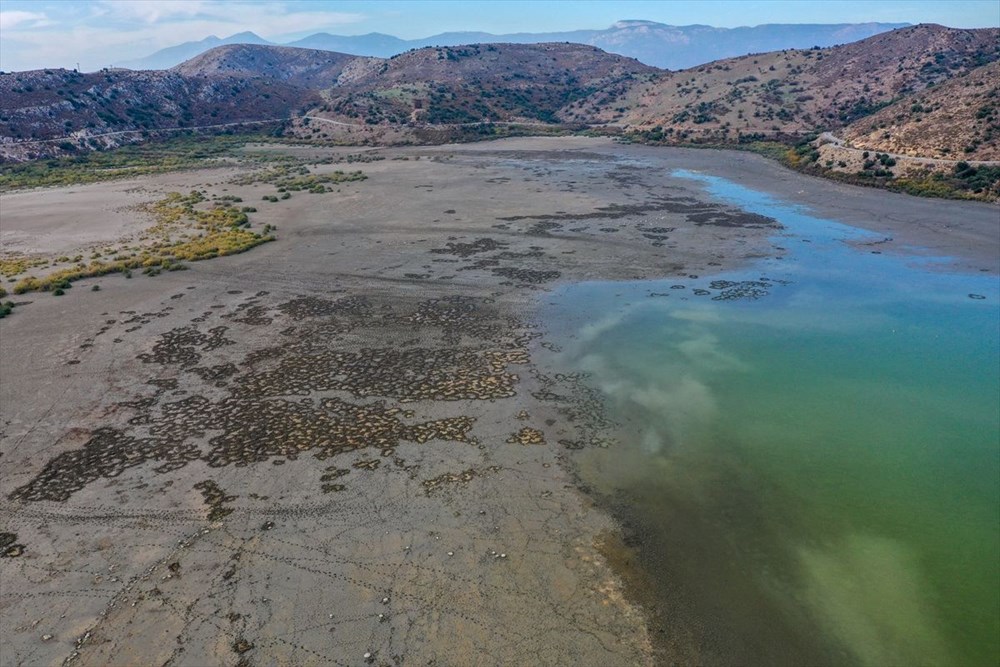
x=809 y=448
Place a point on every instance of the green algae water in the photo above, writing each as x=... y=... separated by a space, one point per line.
x=809 y=449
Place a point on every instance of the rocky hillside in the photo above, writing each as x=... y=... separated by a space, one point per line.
x=796 y=91
x=50 y=111
x=922 y=89
x=484 y=82
x=959 y=119
x=47 y=111
x=306 y=68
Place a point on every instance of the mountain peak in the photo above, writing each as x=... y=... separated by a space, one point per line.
x=246 y=35
x=635 y=23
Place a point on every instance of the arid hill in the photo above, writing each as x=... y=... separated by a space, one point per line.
x=959 y=119
x=484 y=82
x=239 y=83
x=307 y=68
x=63 y=104
x=797 y=91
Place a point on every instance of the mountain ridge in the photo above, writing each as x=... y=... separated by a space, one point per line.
x=449 y=93
x=177 y=54
x=653 y=43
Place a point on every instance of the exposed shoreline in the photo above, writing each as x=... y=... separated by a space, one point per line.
x=968 y=232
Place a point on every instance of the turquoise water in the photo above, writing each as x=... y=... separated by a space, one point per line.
x=816 y=471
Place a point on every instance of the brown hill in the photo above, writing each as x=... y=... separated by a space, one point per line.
x=308 y=68
x=959 y=119
x=796 y=91
x=777 y=94
x=57 y=104
x=495 y=82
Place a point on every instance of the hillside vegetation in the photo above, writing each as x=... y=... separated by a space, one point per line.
x=306 y=68
x=66 y=110
x=792 y=92
x=484 y=82
x=959 y=119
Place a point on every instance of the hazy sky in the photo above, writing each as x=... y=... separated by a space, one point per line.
x=97 y=33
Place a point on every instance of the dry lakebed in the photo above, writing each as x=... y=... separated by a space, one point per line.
x=342 y=446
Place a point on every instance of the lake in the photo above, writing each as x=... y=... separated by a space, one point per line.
x=808 y=450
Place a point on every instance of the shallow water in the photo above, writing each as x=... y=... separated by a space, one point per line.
x=813 y=468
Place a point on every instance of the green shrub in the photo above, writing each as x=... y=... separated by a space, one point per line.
x=153 y=157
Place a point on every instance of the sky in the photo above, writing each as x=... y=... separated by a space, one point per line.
x=97 y=33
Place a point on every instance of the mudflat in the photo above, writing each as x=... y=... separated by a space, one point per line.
x=336 y=448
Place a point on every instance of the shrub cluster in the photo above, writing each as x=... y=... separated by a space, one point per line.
x=219 y=230
x=154 y=157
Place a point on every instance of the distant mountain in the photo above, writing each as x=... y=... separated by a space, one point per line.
x=656 y=44
x=682 y=47
x=174 y=55
x=372 y=44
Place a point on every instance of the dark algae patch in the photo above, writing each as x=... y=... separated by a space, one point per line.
x=527 y=276
x=9 y=547
x=264 y=413
x=216 y=499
